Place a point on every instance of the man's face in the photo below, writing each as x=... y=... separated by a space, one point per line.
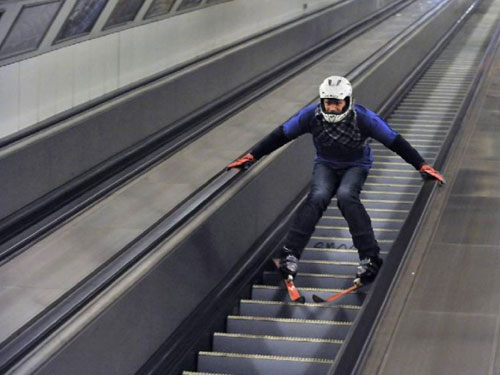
x=334 y=106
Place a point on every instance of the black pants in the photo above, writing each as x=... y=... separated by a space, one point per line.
x=347 y=184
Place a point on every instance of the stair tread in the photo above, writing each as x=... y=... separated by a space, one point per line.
x=288 y=320
x=296 y=304
x=266 y=357
x=309 y=274
x=279 y=338
x=332 y=290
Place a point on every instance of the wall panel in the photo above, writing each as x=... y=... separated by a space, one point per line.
x=9 y=100
x=61 y=80
x=82 y=68
x=28 y=91
x=144 y=50
x=103 y=65
x=47 y=81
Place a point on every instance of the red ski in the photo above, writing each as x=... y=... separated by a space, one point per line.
x=357 y=285
x=290 y=286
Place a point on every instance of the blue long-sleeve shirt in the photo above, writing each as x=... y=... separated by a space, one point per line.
x=334 y=153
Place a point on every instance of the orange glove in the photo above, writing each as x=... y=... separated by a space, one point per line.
x=426 y=171
x=244 y=162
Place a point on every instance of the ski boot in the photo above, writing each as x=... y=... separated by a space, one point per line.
x=368 y=269
x=289 y=264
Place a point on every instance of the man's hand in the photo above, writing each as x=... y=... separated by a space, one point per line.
x=426 y=171
x=243 y=162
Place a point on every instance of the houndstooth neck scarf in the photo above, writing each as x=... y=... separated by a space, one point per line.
x=346 y=132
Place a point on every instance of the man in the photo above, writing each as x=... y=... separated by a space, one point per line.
x=341 y=132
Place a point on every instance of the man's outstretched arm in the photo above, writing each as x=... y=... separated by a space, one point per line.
x=293 y=128
x=271 y=142
x=413 y=157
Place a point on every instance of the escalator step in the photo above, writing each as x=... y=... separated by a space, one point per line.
x=385 y=201
x=275 y=345
x=393 y=164
x=311 y=280
x=379 y=213
x=341 y=243
x=377 y=223
x=381 y=178
x=421 y=130
x=424 y=116
x=375 y=213
x=336 y=231
x=327 y=254
x=257 y=325
x=279 y=309
x=392 y=204
x=277 y=293
x=392 y=172
x=310 y=253
x=261 y=364
x=403 y=187
x=429 y=135
x=339 y=232
x=382 y=151
x=422 y=149
x=328 y=267
x=441 y=117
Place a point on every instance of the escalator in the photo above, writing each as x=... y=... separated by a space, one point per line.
x=179 y=262
x=271 y=335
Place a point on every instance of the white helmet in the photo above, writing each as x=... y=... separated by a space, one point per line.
x=336 y=87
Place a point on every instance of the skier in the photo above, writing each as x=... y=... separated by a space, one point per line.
x=341 y=132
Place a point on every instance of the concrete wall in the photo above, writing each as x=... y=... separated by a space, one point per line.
x=39 y=87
